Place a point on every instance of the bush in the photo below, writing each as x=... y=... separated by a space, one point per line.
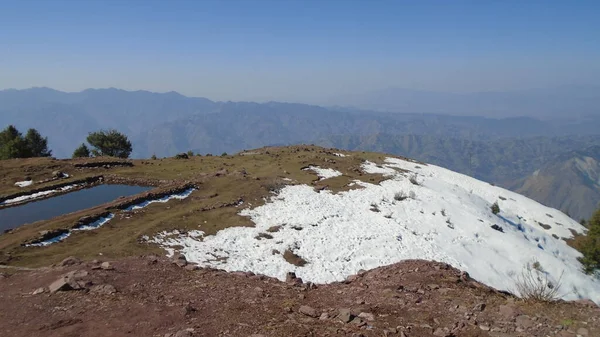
x=81 y=152
x=181 y=156
x=495 y=208
x=153 y=157
x=590 y=245
x=413 y=180
x=534 y=285
x=400 y=196
x=190 y=153
x=224 y=154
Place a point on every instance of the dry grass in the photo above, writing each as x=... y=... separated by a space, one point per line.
x=248 y=176
x=533 y=284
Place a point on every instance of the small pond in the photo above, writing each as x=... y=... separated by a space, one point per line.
x=71 y=202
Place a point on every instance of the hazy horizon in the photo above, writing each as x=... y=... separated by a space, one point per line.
x=298 y=51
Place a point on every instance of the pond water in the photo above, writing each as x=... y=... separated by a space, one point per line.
x=71 y=202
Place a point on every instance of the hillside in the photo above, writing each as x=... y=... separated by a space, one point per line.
x=570 y=182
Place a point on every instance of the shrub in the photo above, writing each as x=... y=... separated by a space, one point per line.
x=590 y=245
x=413 y=180
x=400 y=196
x=534 y=285
x=181 y=156
x=495 y=208
x=224 y=154
x=190 y=153
x=153 y=157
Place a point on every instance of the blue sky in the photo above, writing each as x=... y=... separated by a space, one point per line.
x=298 y=50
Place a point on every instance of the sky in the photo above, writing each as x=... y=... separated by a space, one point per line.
x=304 y=51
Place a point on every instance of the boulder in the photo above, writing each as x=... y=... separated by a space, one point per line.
x=308 y=311
x=106 y=266
x=70 y=261
x=59 y=285
x=104 y=289
x=345 y=315
x=179 y=260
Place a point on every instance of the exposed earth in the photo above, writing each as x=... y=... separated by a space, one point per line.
x=150 y=296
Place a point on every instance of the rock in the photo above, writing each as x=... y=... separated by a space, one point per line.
x=184 y=333
x=524 y=322
x=308 y=311
x=192 y=267
x=324 y=316
x=59 y=285
x=179 y=260
x=106 y=266
x=484 y=327
x=152 y=259
x=291 y=277
x=479 y=307
x=70 y=261
x=508 y=312
x=358 y=321
x=367 y=315
x=583 y=332
x=105 y=289
x=57 y=174
x=39 y=291
x=344 y=315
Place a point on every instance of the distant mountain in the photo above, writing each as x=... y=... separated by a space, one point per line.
x=556 y=102
x=570 y=182
x=66 y=118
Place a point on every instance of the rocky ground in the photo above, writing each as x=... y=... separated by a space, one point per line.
x=152 y=296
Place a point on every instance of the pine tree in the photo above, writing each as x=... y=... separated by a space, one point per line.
x=590 y=245
x=37 y=146
x=109 y=143
x=81 y=152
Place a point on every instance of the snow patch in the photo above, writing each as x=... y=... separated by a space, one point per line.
x=39 y=194
x=181 y=195
x=24 y=183
x=96 y=224
x=339 y=155
x=48 y=242
x=324 y=173
x=449 y=220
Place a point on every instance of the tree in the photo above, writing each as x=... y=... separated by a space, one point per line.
x=36 y=144
x=109 y=143
x=495 y=208
x=81 y=152
x=590 y=245
x=14 y=145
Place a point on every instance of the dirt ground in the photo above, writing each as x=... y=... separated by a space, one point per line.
x=151 y=296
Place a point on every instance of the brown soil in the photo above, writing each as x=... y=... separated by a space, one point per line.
x=154 y=297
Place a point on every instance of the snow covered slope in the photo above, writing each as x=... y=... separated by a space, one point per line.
x=420 y=212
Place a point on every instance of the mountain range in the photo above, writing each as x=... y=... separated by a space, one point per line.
x=506 y=151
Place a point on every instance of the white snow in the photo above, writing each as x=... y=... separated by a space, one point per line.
x=39 y=194
x=324 y=173
x=51 y=241
x=96 y=224
x=339 y=155
x=180 y=196
x=24 y=183
x=340 y=234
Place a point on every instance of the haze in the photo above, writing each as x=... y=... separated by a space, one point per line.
x=302 y=51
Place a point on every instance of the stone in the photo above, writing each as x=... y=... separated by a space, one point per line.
x=59 y=285
x=184 y=333
x=345 y=315
x=106 y=266
x=508 y=311
x=479 y=307
x=39 y=291
x=324 y=316
x=192 y=267
x=484 y=327
x=583 y=332
x=70 y=261
x=524 y=322
x=105 y=289
x=179 y=260
x=367 y=315
x=358 y=321
x=308 y=311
